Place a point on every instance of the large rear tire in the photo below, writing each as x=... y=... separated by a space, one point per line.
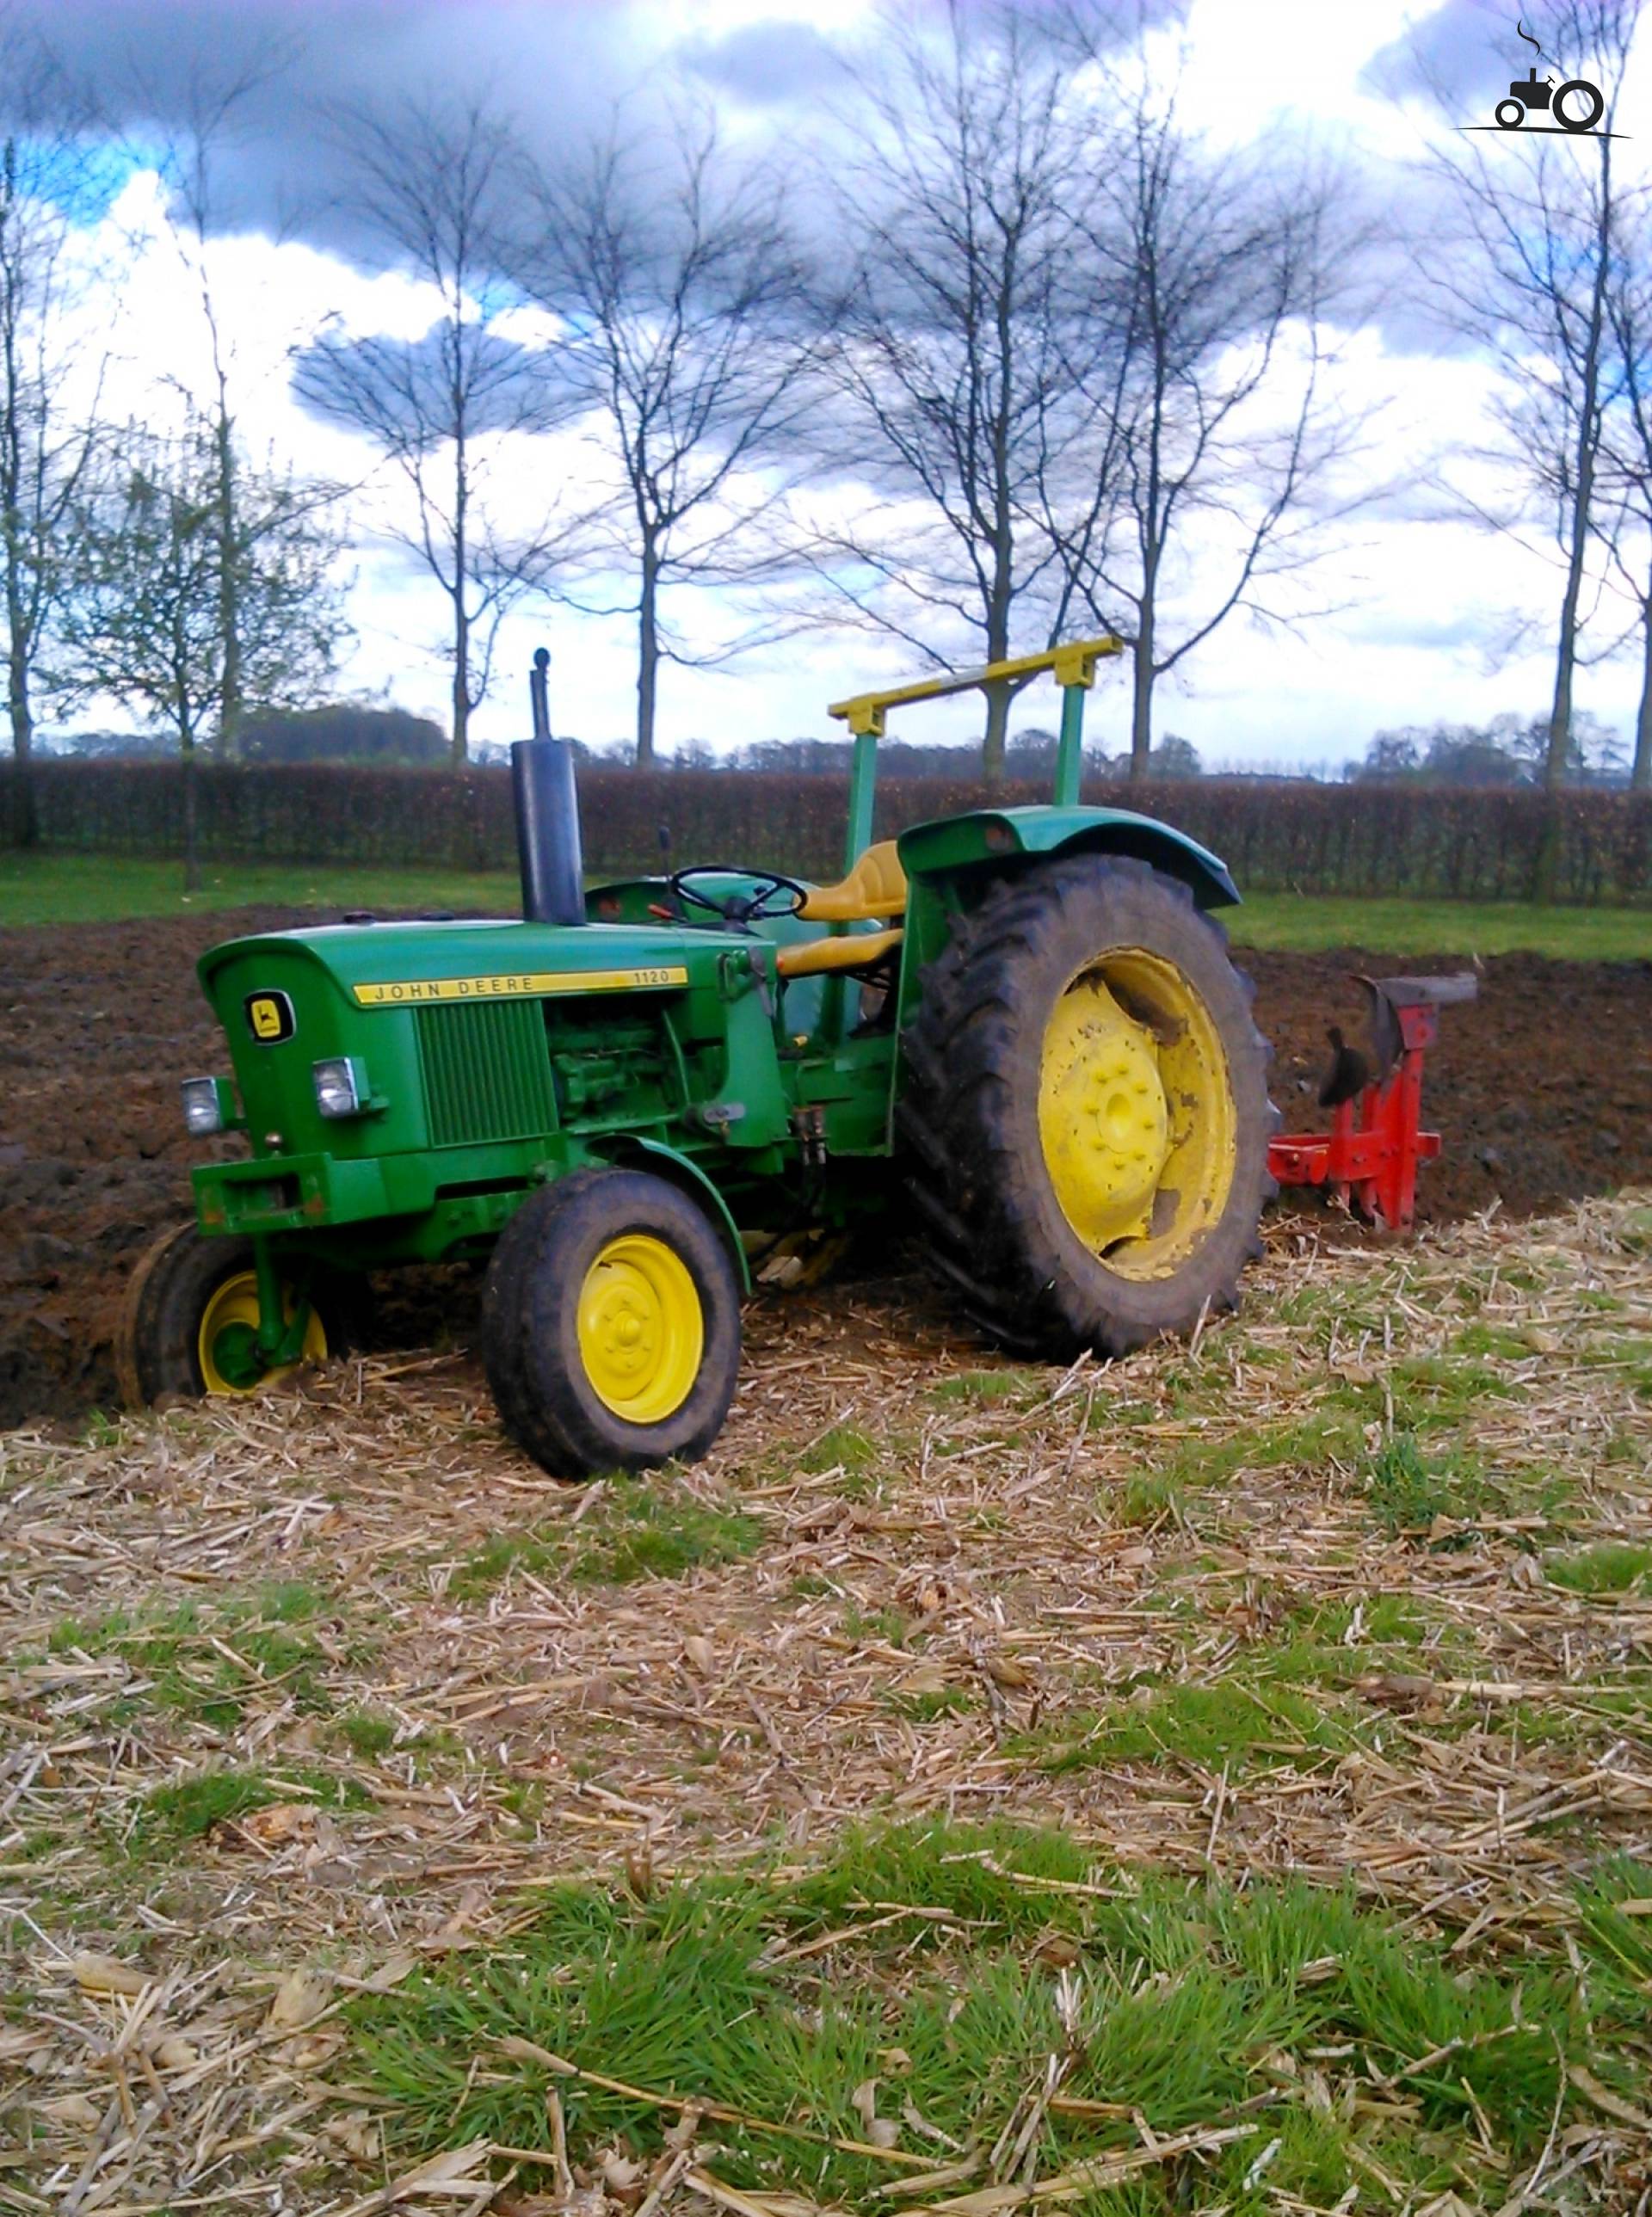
x=1085 y=1110
x=612 y=1325
x=192 y=1307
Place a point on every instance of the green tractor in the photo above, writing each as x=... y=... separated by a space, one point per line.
x=1019 y=1024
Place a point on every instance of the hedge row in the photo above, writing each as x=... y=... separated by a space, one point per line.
x=1356 y=839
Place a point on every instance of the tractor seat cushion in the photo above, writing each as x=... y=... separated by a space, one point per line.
x=875 y=887
x=854 y=950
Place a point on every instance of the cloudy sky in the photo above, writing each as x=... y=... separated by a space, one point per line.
x=1414 y=618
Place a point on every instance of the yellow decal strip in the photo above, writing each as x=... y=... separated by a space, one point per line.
x=401 y=992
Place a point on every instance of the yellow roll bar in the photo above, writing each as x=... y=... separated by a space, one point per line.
x=1072 y=664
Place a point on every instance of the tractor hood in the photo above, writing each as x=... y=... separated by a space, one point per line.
x=388 y=966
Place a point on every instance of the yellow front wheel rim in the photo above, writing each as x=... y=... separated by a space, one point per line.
x=1136 y=1113
x=236 y=1302
x=641 y=1327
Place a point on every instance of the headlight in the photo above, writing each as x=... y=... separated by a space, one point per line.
x=340 y=1086
x=206 y=1107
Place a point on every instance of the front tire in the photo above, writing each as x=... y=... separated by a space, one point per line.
x=612 y=1325
x=1085 y=1110
x=192 y=1302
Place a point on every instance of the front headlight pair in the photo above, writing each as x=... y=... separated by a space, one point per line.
x=341 y=1089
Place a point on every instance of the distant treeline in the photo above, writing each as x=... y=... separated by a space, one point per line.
x=345 y=731
x=1385 y=836
x=342 y=731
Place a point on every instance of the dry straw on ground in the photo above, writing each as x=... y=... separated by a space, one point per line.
x=963 y=1589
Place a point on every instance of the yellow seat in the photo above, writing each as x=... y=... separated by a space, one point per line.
x=853 y=950
x=875 y=887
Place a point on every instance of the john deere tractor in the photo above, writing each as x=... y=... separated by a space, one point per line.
x=1019 y=1024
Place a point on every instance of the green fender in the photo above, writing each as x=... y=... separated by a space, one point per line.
x=680 y=1169
x=990 y=835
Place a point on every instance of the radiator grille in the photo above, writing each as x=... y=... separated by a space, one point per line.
x=487 y=1072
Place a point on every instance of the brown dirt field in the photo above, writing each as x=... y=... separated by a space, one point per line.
x=1543 y=1089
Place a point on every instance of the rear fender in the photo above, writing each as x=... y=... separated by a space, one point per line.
x=951 y=863
x=1002 y=837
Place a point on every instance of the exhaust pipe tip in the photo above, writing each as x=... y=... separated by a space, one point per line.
x=549 y=850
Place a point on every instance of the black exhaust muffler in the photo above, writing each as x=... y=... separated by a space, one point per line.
x=547 y=816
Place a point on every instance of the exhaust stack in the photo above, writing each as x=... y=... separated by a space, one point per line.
x=547 y=816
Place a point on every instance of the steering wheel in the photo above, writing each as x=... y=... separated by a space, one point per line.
x=763 y=902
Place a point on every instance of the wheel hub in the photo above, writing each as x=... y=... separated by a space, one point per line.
x=1136 y=1112
x=1102 y=1113
x=642 y=1329
x=236 y=1356
x=227 y=1350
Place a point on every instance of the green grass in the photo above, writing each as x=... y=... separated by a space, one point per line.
x=1188 y=2003
x=1441 y=927
x=639 y=1532
x=841 y=1446
x=985 y=1389
x=61 y=888
x=190 y=1807
x=1408 y=1490
x=215 y=1660
x=187 y=1808
x=366 y=1733
x=1146 y=1499
x=1226 y=1725
x=928 y=1709
x=1612 y=1566
x=54 y=888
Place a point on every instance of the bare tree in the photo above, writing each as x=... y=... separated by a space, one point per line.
x=681 y=293
x=1211 y=276
x=1625 y=472
x=142 y=624
x=431 y=187
x=51 y=375
x=1529 y=278
x=212 y=112
x=956 y=333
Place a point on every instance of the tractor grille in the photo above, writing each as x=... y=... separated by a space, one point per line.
x=487 y=1072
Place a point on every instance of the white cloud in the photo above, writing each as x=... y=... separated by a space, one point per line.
x=1413 y=603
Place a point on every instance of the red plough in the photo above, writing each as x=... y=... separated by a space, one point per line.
x=1370 y=1155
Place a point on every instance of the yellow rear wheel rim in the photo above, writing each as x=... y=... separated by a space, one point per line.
x=236 y=1301
x=1136 y=1113
x=642 y=1330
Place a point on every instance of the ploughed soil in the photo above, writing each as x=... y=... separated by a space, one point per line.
x=1542 y=1089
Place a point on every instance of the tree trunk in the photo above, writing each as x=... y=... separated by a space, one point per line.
x=460 y=587
x=461 y=683
x=24 y=828
x=1142 y=675
x=23 y=725
x=1640 y=775
x=647 y=655
x=1588 y=434
x=228 y=593
x=999 y=698
x=191 y=822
